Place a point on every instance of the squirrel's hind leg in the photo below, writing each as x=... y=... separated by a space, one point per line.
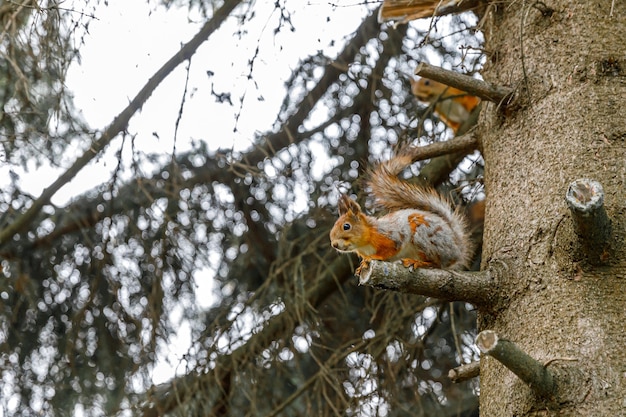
x=418 y=263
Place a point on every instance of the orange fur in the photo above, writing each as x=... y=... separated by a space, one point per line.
x=452 y=106
x=416 y=220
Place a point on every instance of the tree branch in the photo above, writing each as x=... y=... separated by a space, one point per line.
x=120 y=122
x=465 y=143
x=585 y=199
x=478 y=288
x=285 y=136
x=464 y=372
x=482 y=89
x=529 y=370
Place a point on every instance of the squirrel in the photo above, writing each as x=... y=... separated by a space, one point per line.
x=421 y=228
x=453 y=106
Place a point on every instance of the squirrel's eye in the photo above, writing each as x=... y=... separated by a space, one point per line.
x=426 y=82
x=347 y=226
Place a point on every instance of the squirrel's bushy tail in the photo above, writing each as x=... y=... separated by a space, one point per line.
x=392 y=193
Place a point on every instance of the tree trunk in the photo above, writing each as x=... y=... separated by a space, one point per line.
x=566 y=310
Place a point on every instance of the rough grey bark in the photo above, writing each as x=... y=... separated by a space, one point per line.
x=564 y=59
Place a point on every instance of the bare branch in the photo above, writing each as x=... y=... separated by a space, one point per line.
x=284 y=137
x=475 y=287
x=465 y=143
x=482 y=89
x=464 y=372
x=529 y=370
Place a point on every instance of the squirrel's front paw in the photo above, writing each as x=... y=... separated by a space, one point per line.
x=362 y=266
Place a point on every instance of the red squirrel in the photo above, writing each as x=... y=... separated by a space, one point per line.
x=421 y=228
x=453 y=106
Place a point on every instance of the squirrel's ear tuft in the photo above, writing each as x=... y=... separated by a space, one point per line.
x=347 y=204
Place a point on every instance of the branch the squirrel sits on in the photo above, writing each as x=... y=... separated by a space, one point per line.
x=421 y=228
x=452 y=106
